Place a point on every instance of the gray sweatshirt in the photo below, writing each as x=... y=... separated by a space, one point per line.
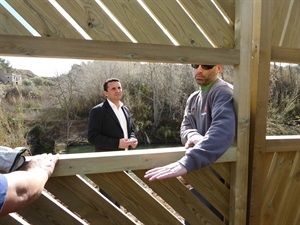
x=210 y=113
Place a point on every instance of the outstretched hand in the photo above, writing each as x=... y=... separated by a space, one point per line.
x=45 y=162
x=165 y=172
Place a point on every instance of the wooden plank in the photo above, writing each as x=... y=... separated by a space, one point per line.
x=93 y=20
x=292 y=33
x=45 y=210
x=259 y=105
x=82 y=198
x=242 y=98
x=177 y=22
x=44 y=18
x=224 y=170
x=290 y=205
x=212 y=22
x=279 y=188
x=133 y=197
x=228 y=8
x=137 y=21
x=211 y=188
x=10 y=25
x=103 y=162
x=288 y=55
x=283 y=143
x=85 y=49
x=10 y=220
x=182 y=200
x=279 y=13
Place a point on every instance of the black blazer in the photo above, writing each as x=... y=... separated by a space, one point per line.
x=104 y=128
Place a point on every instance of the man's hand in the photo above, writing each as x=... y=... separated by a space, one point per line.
x=193 y=140
x=44 y=162
x=133 y=142
x=125 y=142
x=166 y=172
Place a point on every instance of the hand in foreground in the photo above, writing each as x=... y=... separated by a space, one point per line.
x=165 y=172
x=44 y=162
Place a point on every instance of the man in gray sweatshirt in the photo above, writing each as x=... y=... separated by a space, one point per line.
x=208 y=127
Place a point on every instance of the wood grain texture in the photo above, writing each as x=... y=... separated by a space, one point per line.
x=137 y=21
x=182 y=200
x=283 y=143
x=45 y=19
x=93 y=20
x=177 y=22
x=109 y=50
x=10 y=25
x=9 y=220
x=103 y=162
x=49 y=211
x=121 y=187
x=212 y=22
x=84 y=199
x=212 y=188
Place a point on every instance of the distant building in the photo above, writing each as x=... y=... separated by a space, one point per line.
x=10 y=78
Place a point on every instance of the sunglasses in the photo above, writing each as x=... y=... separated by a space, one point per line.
x=205 y=67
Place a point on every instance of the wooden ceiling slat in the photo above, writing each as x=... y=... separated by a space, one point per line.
x=211 y=188
x=228 y=8
x=86 y=201
x=44 y=18
x=181 y=199
x=93 y=20
x=10 y=25
x=137 y=21
x=121 y=187
x=46 y=211
x=212 y=22
x=280 y=9
x=177 y=22
x=292 y=34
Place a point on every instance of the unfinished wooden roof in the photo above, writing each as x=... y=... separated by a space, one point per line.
x=106 y=29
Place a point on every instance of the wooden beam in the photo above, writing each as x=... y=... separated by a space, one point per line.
x=283 y=143
x=262 y=35
x=102 y=162
x=12 y=45
x=242 y=99
x=287 y=55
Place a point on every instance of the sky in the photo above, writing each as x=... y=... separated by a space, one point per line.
x=43 y=67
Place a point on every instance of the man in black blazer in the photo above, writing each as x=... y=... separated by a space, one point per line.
x=110 y=125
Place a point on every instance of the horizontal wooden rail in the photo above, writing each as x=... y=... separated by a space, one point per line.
x=287 y=55
x=53 y=47
x=284 y=143
x=103 y=162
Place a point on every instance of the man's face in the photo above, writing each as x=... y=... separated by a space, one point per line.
x=204 y=77
x=114 y=91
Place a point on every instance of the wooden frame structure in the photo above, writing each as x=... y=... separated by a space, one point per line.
x=261 y=174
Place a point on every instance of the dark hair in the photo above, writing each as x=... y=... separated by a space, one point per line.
x=108 y=81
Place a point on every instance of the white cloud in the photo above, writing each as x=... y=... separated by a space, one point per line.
x=44 y=67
